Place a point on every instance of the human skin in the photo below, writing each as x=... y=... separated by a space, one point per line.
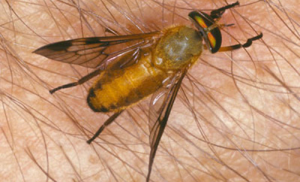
x=235 y=119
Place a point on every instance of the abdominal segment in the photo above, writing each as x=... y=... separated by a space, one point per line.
x=118 y=89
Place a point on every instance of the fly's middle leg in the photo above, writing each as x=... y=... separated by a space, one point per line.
x=79 y=82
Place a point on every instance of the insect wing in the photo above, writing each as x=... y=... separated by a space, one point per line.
x=164 y=100
x=95 y=51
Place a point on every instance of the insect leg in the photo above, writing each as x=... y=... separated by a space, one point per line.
x=215 y=14
x=80 y=81
x=107 y=122
x=238 y=46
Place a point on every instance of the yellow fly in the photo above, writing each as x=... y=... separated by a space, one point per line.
x=153 y=63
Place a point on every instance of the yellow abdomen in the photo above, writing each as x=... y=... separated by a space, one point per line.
x=117 y=89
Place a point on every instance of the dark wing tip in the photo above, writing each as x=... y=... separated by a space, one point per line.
x=51 y=48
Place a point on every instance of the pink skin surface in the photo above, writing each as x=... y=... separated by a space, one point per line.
x=235 y=119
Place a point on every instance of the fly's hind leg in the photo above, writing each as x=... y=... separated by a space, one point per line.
x=107 y=122
x=79 y=82
x=238 y=46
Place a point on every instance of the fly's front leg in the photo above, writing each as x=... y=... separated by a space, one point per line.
x=216 y=14
x=238 y=46
x=79 y=82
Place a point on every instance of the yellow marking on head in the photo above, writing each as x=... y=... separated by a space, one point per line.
x=211 y=39
x=200 y=21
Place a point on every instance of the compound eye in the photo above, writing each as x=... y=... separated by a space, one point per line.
x=212 y=38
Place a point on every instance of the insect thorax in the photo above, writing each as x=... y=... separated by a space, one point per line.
x=179 y=47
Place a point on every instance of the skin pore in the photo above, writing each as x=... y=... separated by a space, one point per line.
x=235 y=119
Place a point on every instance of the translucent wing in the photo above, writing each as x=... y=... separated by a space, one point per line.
x=94 y=51
x=160 y=109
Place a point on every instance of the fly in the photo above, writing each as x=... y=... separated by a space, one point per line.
x=153 y=64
